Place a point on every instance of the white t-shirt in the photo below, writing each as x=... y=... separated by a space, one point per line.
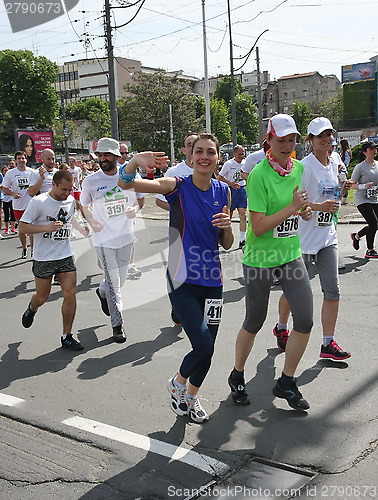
x=181 y=170
x=321 y=183
x=18 y=181
x=46 y=185
x=252 y=160
x=231 y=171
x=76 y=174
x=43 y=209
x=109 y=202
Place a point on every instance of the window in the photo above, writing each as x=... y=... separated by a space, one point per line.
x=285 y=94
x=293 y=95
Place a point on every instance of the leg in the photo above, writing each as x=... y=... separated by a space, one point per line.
x=68 y=284
x=243 y=218
x=42 y=293
x=370 y=214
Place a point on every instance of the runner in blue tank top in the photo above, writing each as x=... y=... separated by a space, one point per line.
x=199 y=222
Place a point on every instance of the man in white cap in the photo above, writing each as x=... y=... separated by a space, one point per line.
x=111 y=218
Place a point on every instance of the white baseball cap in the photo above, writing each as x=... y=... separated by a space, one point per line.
x=319 y=125
x=108 y=145
x=281 y=125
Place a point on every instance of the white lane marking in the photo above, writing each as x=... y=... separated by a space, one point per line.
x=202 y=462
x=10 y=400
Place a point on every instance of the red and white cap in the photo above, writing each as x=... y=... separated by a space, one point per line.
x=281 y=125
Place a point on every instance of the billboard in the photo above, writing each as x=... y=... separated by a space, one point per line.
x=33 y=142
x=358 y=72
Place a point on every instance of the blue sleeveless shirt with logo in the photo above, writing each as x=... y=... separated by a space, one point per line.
x=193 y=240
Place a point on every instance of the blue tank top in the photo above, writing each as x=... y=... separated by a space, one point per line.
x=193 y=240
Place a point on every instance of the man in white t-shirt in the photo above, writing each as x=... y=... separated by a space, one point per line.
x=181 y=170
x=251 y=161
x=41 y=181
x=111 y=217
x=133 y=272
x=49 y=216
x=230 y=173
x=16 y=184
x=76 y=174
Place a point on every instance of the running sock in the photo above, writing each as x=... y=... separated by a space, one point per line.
x=64 y=336
x=282 y=326
x=242 y=235
x=286 y=380
x=236 y=375
x=177 y=384
x=327 y=339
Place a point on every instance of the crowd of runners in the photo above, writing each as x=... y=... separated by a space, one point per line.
x=287 y=228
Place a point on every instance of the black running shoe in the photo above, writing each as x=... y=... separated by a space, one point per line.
x=70 y=343
x=371 y=254
x=104 y=303
x=28 y=317
x=355 y=241
x=238 y=392
x=175 y=319
x=242 y=245
x=24 y=254
x=119 y=334
x=291 y=394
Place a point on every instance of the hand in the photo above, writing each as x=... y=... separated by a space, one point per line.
x=306 y=213
x=42 y=171
x=234 y=185
x=222 y=219
x=130 y=212
x=16 y=196
x=330 y=206
x=84 y=230
x=300 y=198
x=149 y=161
x=369 y=185
x=348 y=185
x=54 y=226
x=96 y=226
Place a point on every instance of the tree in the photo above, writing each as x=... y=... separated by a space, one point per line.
x=333 y=109
x=302 y=114
x=246 y=119
x=95 y=111
x=27 y=96
x=223 y=89
x=144 y=114
x=219 y=117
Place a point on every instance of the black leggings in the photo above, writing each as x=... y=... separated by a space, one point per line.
x=8 y=211
x=369 y=212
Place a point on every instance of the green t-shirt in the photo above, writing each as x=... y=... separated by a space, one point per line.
x=268 y=192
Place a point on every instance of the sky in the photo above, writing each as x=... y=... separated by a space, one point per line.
x=303 y=36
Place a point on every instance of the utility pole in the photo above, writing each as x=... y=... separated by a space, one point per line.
x=171 y=136
x=65 y=131
x=232 y=80
x=259 y=97
x=111 y=78
x=207 y=97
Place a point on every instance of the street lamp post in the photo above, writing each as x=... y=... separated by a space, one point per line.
x=232 y=80
x=65 y=131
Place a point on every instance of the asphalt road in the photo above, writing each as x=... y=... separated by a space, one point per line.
x=97 y=424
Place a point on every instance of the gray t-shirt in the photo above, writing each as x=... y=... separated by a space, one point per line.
x=362 y=174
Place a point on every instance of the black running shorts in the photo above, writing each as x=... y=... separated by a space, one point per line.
x=47 y=268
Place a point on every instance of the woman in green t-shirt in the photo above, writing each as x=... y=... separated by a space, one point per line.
x=275 y=201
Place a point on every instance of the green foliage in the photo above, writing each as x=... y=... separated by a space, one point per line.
x=246 y=119
x=27 y=97
x=223 y=89
x=95 y=111
x=58 y=132
x=301 y=112
x=332 y=108
x=144 y=113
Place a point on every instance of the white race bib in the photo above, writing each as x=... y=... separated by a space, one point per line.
x=287 y=228
x=213 y=311
x=23 y=182
x=323 y=219
x=63 y=233
x=114 y=208
x=372 y=192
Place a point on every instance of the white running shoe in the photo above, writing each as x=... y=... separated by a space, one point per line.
x=195 y=410
x=177 y=398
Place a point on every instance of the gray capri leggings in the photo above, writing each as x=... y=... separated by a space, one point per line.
x=326 y=261
x=295 y=284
